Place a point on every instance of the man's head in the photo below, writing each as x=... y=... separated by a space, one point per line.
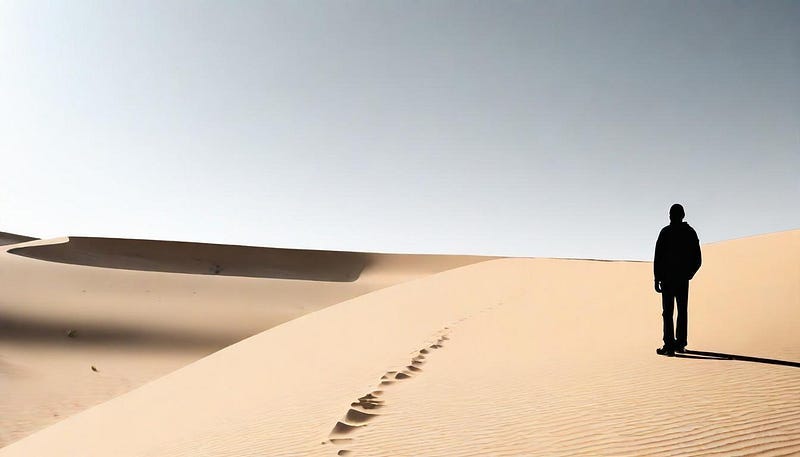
x=676 y=213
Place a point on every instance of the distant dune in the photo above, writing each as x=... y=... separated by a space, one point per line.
x=500 y=357
x=227 y=260
x=12 y=238
x=202 y=258
x=133 y=319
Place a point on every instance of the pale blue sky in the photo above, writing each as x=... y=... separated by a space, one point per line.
x=558 y=128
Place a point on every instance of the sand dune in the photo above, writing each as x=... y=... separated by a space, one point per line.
x=12 y=238
x=202 y=258
x=502 y=357
x=59 y=320
x=228 y=260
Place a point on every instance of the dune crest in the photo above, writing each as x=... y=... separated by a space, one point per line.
x=222 y=260
x=13 y=238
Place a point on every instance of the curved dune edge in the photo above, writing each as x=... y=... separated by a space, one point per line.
x=59 y=320
x=522 y=357
x=12 y=238
x=216 y=259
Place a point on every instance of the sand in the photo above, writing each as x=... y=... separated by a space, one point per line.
x=499 y=357
x=58 y=320
x=13 y=238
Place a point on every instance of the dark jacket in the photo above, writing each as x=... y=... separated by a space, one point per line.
x=677 y=253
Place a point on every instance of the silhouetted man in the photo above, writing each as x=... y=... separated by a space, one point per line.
x=676 y=261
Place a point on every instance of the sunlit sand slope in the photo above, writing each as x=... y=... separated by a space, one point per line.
x=504 y=357
x=57 y=320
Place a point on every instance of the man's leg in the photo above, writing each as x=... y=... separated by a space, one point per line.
x=667 y=296
x=682 y=300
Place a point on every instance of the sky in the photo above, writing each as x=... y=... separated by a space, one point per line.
x=539 y=128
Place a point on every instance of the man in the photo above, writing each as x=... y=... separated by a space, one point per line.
x=676 y=261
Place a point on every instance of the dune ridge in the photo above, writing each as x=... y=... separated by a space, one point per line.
x=542 y=357
x=59 y=320
x=12 y=238
x=223 y=260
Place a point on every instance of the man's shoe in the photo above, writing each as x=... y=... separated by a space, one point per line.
x=680 y=349
x=667 y=351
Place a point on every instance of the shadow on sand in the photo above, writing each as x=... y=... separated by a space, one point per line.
x=21 y=329
x=722 y=356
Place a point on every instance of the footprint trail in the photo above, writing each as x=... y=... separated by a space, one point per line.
x=368 y=407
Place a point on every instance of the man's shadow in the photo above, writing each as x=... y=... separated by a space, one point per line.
x=706 y=355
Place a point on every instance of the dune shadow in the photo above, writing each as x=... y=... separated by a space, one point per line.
x=15 y=328
x=202 y=258
x=12 y=238
x=708 y=355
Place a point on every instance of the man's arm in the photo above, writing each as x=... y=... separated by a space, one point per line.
x=697 y=256
x=658 y=262
x=658 y=257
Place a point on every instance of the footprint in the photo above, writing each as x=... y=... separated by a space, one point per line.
x=358 y=417
x=344 y=429
x=402 y=376
x=340 y=440
x=389 y=375
x=368 y=401
x=366 y=405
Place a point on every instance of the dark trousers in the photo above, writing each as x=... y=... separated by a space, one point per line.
x=678 y=292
